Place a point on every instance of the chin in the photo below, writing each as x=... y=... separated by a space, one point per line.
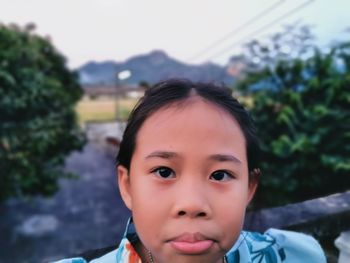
x=202 y=258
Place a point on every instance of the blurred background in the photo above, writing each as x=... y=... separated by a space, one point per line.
x=71 y=72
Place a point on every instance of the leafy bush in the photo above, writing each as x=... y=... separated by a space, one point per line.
x=37 y=119
x=302 y=111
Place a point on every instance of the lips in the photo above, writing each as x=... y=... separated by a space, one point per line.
x=191 y=243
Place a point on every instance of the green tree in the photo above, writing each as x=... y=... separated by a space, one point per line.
x=37 y=118
x=302 y=111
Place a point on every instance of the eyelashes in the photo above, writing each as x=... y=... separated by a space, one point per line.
x=164 y=172
x=222 y=176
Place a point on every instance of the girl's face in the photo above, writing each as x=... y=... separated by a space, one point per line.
x=188 y=186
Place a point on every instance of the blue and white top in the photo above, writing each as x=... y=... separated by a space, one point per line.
x=274 y=246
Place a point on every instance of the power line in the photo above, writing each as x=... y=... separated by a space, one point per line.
x=237 y=30
x=267 y=26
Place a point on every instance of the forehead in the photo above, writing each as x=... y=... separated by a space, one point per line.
x=193 y=122
x=194 y=108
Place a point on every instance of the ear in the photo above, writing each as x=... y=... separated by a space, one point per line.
x=124 y=185
x=253 y=184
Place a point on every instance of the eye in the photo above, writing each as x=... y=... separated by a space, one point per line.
x=164 y=172
x=221 y=176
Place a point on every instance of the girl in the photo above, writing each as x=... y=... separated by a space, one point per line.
x=187 y=169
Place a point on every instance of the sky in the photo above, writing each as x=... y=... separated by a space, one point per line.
x=99 y=30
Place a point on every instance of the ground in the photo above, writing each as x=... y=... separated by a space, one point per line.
x=86 y=213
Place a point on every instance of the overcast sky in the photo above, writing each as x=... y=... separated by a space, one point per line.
x=85 y=30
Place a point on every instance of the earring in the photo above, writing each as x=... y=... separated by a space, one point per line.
x=150 y=257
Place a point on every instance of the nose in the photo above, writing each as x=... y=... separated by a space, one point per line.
x=192 y=201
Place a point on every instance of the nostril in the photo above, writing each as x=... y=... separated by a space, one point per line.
x=181 y=213
x=202 y=214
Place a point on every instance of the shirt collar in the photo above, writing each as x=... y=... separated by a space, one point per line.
x=126 y=252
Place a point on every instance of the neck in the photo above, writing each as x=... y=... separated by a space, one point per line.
x=143 y=253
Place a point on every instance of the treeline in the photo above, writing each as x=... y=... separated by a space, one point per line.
x=300 y=100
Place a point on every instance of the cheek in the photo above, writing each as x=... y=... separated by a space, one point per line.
x=230 y=213
x=150 y=214
x=149 y=207
x=231 y=223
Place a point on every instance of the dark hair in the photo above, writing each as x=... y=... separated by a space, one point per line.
x=175 y=90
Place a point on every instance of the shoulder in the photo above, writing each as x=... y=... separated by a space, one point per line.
x=297 y=243
x=276 y=246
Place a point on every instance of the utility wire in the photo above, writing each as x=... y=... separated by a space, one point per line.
x=237 y=30
x=263 y=28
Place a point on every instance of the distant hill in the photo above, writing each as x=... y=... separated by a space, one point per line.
x=151 y=68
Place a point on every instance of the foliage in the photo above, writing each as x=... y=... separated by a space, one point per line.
x=38 y=126
x=301 y=108
x=294 y=42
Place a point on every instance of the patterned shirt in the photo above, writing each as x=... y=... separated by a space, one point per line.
x=274 y=246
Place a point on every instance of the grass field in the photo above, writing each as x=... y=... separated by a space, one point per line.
x=104 y=109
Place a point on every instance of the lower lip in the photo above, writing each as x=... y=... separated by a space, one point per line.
x=192 y=247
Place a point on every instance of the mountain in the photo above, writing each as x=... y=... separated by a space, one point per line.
x=151 y=68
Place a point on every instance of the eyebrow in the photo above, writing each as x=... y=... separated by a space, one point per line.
x=162 y=154
x=214 y=157
x=224 y=158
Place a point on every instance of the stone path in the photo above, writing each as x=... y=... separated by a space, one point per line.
x=86 y=213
